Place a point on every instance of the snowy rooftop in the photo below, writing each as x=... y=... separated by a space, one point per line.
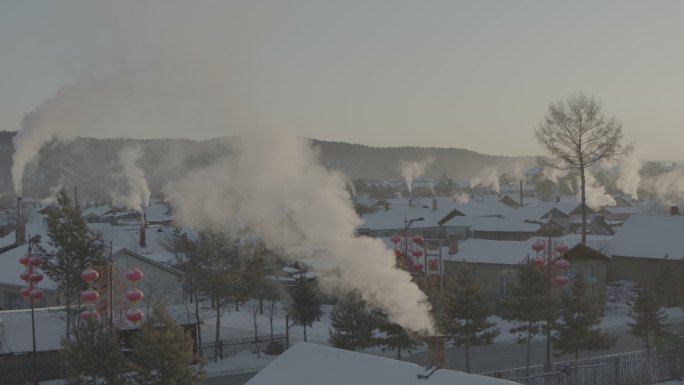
x=310 y=364
x=650 y=236
x=492 y=224
x=394 y=218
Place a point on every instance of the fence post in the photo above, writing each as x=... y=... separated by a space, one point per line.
x=617 y=370
x=221 y=349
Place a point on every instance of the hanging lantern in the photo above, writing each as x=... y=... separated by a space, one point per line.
x=35 y=261
x=35 y=277
x=134 y=315
x=398 y=253
x=89 y=275
x=36 y=294
x=418 y=240
x=417 y=267
x=537 y=246
x=561 y=248
x=562 y=263
x=25 y=275
x=25 y=292
x=539 y=262
x=134 y=275
x=417 y=253
x=395 y=239
x=24 y=260
x=561 y=280
x=89 y=295
x=89 y=315
x=134 y=295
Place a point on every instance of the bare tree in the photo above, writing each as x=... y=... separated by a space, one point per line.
x=576 y=134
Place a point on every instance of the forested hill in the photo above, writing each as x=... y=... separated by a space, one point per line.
x=90 y=163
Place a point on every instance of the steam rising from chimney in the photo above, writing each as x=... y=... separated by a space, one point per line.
x=595 y=192
x=490 y=179
x=412 y=170
x=273 y=185
x=138 y=192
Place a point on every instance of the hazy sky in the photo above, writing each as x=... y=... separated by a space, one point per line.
x=476 y=75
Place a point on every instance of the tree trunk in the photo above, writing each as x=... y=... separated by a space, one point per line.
x=527 y=355
x=217 y=338
x=256 y=335
x=398 y=352
x=584 y=203
x=287 y=331
x=304 y=326
x=197 y=322
x=467 y=356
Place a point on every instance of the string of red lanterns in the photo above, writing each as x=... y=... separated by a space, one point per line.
x=399 y=245
x=560 y=262
x=132 y=294
x=31 y=277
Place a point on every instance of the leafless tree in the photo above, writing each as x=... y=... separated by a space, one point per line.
x=576 y=134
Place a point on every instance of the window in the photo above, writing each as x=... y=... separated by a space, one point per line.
x=11 y=301
x=507 y=279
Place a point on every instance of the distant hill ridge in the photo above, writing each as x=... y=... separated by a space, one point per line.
x=89 y=162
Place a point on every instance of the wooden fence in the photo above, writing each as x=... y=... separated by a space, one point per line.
x=640 y=367
x=212 y=350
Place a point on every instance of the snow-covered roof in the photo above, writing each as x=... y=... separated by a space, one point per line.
x=310 y=364
x=158 y=212
x=492 y=224
x=10 y=268
x=534 y=213
x=650 y=236
x=394 y=218
x=482 y=209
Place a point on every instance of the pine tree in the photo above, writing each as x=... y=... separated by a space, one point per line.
x=162 y=353
x=649 y=318
x=75 y=248
x=352 y=323
x=94 y=356
x=465 y=311
x=579 y=315
x=394 y=336
x=529 y=306
x=667 y=285
x=304 y=306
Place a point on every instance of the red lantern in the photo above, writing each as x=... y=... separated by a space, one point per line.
x=561 y=280
x=36 y=294
x=25 y=275
x=418 y=240
x=417 y=267
x=89 y=315
x=134 y=275
x=134 y=295
x=89 y=275
x=89 y=295
x=395 y=239
x=25 y=292
x=417 y=253
x=537 y=246
x=539 y=262
x=35 y=277
x=24 y=260
x=134 y=315
x=561 y=248
x=562 y=263
x=35 y=261
x=398 y=253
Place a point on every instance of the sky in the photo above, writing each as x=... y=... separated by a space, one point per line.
x=477 y=75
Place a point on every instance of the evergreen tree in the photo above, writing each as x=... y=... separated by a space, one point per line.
x=75 y=248
x=529 y=306
x=649 y=318
x=667 y=285
x=352 y=323
x=579 y=315
x=162 y=353
x=395 y=336
x=94 y=356
x=464 y=313
x=304 y=306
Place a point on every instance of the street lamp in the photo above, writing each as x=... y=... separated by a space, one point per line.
x=550 y=248
x=31 y=276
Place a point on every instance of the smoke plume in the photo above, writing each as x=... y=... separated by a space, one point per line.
x=461 y=198
x=489 y=180
x=412 y=170
x=667 y=188
x=302 y=210
x=595 y=193
x=132 y=180
x=628 y=176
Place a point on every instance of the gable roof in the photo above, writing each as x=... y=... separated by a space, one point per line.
x=393 y=219
x=311 y=364
x=145 y=259
x=650 y=236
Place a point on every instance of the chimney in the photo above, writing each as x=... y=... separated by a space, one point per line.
x=557 y=198
x=434 y=204
x=143 y=226
x=674 y=210
x=452 y=241
x=436 y=351
x=410 y=202
x=20 y=230
x=521 y=192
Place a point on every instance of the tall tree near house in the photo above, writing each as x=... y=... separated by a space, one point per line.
x=667 y=285
x=577 y=135
x=162 y=352
x=351 y=323
x=648 y=316
x=74 y=249
x=464 y=312
x=305 y=304
x=529 y=306
x=394 y=337
x=579 y=316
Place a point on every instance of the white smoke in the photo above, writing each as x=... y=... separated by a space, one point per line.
x=412 y=170
x=297 y=207
x=137 y=195
x=667 y=188
x=352 y=188
x=489 y=180
x=595 y=193
x=553 y=174
x=54 y=194
x=628 y=176
x=461 y=198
